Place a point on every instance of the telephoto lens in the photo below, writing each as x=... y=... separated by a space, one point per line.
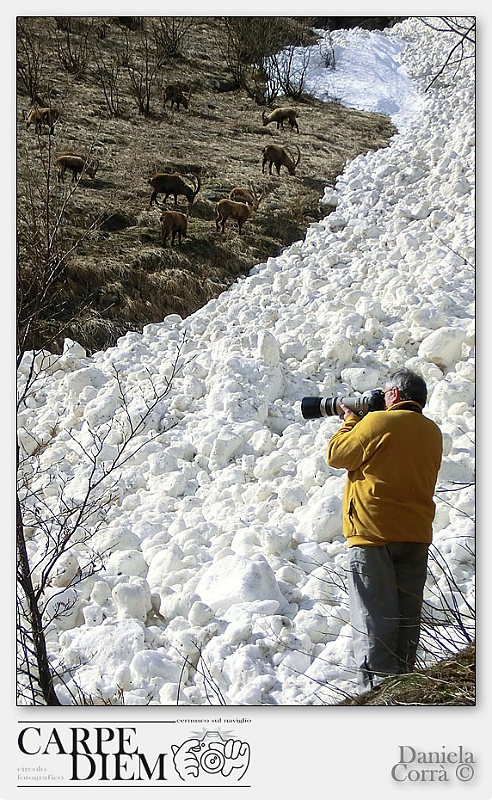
x=317 y=407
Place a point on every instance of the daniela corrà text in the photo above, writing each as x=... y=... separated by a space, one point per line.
x=104 y=754
x=441 y=765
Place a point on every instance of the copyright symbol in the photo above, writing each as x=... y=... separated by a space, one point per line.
x=465 y=772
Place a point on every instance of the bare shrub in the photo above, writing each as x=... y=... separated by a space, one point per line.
x=107 y=70
x=73 y=44
x=130 y=23
x=171 y=35
x=251 y=44
x=287 y=72
x=142 y=66
x=29 y=61
x=45 y=248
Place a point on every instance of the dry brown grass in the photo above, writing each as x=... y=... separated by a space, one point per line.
x=120 y=277
x=449 y=683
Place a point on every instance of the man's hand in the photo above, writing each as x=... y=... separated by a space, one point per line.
x=346 y=412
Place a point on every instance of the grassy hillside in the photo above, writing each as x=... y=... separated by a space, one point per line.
x=91 y=262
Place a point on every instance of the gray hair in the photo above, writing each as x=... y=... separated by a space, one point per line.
x=410 y=386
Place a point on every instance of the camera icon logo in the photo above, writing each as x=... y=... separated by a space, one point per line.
x=198 y=759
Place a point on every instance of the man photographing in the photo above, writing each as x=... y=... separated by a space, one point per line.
x=392 y=458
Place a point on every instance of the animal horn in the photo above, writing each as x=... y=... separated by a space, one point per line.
x=198 y=183
x=257 y=197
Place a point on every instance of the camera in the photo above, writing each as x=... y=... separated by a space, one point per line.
x=317 y=407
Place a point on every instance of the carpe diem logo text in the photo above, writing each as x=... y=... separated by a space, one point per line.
x=109 y=754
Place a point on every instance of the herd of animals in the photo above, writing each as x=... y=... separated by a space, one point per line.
x=241 y=203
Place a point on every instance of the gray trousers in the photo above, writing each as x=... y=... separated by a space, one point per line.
x=386 y=585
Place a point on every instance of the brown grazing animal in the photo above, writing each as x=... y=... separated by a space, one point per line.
x=173 y=222
x=176 y=96
x=281 y=115
x=171 y=183
x=241 y=194
x=77 y=165
x=274 y=154
x=230 y=209
x=39 y=116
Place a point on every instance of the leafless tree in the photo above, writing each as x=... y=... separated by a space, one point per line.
x=45 y=248
x=142 y=66
x=108 y=71
x=254 y=52
x=464 y=29
x=29 y=61
x=66 y=526
x=73 y=42
x=171 y=35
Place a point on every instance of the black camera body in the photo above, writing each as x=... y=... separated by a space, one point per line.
x=317 y=407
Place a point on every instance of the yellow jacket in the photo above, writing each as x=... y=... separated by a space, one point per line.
x=393 y=458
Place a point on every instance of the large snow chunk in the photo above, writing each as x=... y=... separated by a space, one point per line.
x=338 y=349
x=164 y=564
x=442 y=346
x=77 y=381
x=132 y=601
x=362 y=379
x=336 y=222
x=107 y=647
x=237 y=579
x=225 y=447
x=323 y=521
x=449 y=392
x=268 y=348
x=63 y=607
x=126 y=562
x=151 y=665
x=309 y=556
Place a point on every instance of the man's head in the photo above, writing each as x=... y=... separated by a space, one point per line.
x=405 y=385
